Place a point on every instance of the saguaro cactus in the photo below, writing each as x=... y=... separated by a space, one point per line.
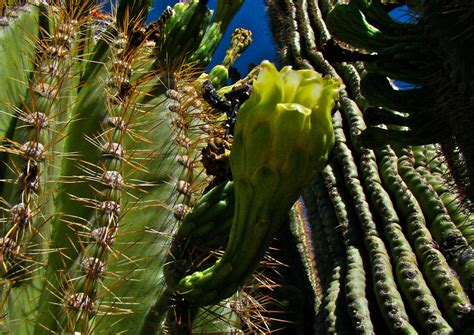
x=390 y=251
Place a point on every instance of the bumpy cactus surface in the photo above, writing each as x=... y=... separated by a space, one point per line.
x=390 y=246
x=141 y=195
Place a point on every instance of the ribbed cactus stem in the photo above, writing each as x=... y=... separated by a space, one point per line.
x=410 y=277
x=99 y=163
x=380 y=205
x=457 y=250
x=444 y=284
x=36 y=139
x=88 y=271
x=355 y=277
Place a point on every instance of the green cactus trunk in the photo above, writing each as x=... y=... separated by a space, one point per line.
x=102 y=133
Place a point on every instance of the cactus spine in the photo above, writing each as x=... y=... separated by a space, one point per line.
x=102 y=121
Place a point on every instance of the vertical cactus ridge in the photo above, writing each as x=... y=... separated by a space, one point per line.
x=355 y=278
x=410 y=277
x=302 y=233
x=16 y=68
x=444 y=231
x=442 y=281
x=335 y=317
x=386 y=292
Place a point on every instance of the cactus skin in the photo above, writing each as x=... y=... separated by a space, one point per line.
x=379 y=187
x=52 y=274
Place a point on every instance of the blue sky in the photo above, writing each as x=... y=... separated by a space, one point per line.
x=251 y=16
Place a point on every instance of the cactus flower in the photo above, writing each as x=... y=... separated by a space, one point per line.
x=283 y=137
x=284 y=132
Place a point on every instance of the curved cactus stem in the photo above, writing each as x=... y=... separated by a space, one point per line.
x=226 y=9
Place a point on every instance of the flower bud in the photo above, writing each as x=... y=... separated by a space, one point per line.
x=284 y=134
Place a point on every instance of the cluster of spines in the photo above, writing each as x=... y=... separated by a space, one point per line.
x=412 y=277
x=187 y=122
x=9 y=10
x=32 y=150
x=83 y=286
x=126 y=120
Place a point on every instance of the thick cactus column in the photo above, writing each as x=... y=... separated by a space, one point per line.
x=99 y=163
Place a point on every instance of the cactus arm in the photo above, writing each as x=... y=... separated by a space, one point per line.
x=379 y=16
x=348 y=23
x=166 y=172
x=177 y=43
x=362 y=34
x=373 y=137
x=379 y=92
x=378 y=116
x=240 y=40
